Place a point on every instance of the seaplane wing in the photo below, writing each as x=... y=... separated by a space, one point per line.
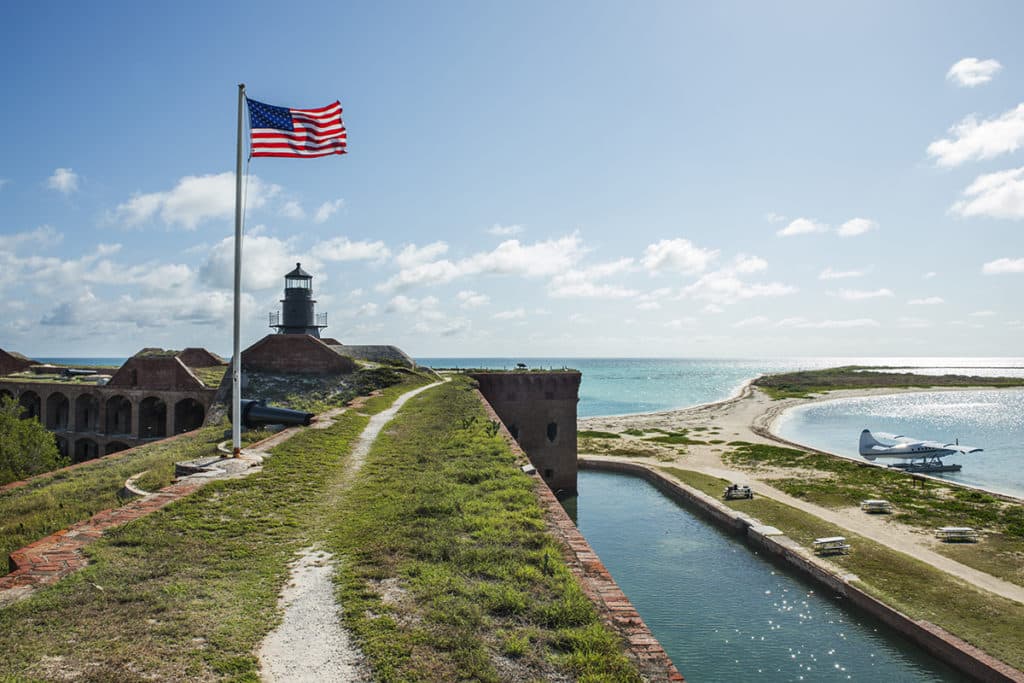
x=962 y=449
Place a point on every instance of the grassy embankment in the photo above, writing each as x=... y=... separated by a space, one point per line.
x=803 y=384
x=841 y=483
x=442 y=515
x=188 y=592
x=448 y=570
x=654 y=443
x=917 y=589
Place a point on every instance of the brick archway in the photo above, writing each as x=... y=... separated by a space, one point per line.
x=86 y=449
x=58 y=412
x=152 y=418
x=188 y=415
x=119 y=415
x=31 y=404
x=87 y=413
x=115 y=447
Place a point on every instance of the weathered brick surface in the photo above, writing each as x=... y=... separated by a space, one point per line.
x=13 y=362
x=158 y=373
x=529 y=403
x=299 y=354
x=613 y=605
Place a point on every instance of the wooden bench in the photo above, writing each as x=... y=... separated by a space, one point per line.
x=833 y=545
x=876 y=506
x=957 y=534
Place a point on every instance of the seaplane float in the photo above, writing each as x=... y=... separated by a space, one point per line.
x=916 y=456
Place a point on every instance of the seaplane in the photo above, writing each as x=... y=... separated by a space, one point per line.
x=918 y=456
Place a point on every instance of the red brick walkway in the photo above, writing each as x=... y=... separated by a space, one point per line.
x=52 y=558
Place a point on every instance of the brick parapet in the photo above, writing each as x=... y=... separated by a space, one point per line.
x=934 y=639
x=597 y=583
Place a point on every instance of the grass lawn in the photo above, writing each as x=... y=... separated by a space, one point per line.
x=845 y=484
x=189 y=591
x=802 y=384
x=987 y=621
x=448 y=571
x=441 y=513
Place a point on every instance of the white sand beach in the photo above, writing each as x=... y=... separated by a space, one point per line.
x=749 y=417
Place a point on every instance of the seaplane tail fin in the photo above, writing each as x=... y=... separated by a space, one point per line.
x=868 y=443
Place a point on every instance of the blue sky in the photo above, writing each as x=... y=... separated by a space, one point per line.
x=527 y=179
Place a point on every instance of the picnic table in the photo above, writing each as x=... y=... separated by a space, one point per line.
x=832 y=545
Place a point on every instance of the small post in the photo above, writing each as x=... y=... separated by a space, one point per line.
x=236 y=357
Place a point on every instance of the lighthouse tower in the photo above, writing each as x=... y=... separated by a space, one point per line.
x=297 y=314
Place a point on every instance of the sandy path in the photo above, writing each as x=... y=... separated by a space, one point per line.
x=311 y=644
x=748 y=417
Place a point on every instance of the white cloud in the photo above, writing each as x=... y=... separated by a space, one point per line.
x=773 y=217
x=411 y=255
x=648 y=306
x=539 y=259
x=679 y=255
x=367 y=310
x=195 y=199
x=982 y=314
x=803 y=323
x=327 y=209
x=41 y=237
x=996 y=195
x=405 y=304
x=972 y=140
x=755 y=321
x=265 y=261
x=830 y=274
x=713 y=308
x=510 y=315
x=857 y=226
x=292 y=209
x=681 y=323
x=913 y=323
x=1003 y=265
x=749 y=264
x=3 y=181
x=927 y=301
x=344 y=249
x=971 y=71
x=860 y=294
x=584 y=282
x=802 y=226
x=63 y=180
x=929 y=275
x=505 y=230
x=470 y=299
x=724 y=287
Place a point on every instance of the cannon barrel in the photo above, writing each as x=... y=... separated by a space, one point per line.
x=258 y=413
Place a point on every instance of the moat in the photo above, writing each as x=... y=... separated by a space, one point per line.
x=721 y=611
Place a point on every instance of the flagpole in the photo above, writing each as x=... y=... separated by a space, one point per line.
x=236 y=355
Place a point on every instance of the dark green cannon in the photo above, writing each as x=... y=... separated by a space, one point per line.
x=258 y=414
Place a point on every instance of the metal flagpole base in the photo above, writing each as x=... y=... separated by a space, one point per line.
x=238 y=453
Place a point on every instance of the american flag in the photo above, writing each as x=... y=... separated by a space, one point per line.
x=284 y=132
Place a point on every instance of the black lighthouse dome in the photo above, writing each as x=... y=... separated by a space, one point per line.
x=298 y=314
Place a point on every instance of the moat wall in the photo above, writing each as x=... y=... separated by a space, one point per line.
x=935 y=640
x=539 y=410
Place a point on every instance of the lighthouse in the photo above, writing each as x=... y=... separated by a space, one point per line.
x=298 y=315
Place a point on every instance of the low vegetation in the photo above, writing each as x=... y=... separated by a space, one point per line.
x=593 y=434
x=26 y=448
x=917 y=589
x=838 y=483
x=211 y=376
x=803 y=384
x=449 y=572
x=188 y=592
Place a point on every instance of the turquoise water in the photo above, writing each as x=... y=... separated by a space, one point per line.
x=989 y=419
x=623 y=386
x=724 y=613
